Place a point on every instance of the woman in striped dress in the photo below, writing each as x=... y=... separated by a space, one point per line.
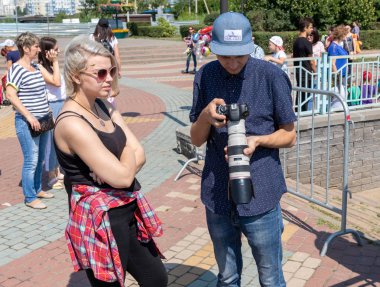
x=26 y=90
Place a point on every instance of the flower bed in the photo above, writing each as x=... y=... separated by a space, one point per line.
x=120 y=33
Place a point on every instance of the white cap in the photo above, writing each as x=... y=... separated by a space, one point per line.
x=8 y=43
x=277 y=40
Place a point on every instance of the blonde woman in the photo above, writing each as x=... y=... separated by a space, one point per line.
x=111 y=225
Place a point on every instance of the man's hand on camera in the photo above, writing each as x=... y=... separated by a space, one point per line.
x=253 y=143
x=213 y=118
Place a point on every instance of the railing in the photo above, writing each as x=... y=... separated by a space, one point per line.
x=347 y=81
x=43 y=29
x=316 y=155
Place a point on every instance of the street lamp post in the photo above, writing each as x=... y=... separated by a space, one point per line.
x=223 y=6
x=16 y=17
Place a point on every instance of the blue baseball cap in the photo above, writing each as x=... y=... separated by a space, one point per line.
x=232 y=35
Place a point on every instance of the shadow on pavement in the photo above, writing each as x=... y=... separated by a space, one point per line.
x=177 y=271
x=183 y=274
x=131 y=114
x=358 y=259
x=78 y=279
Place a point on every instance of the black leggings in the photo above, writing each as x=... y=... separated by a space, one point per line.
x=138 y=259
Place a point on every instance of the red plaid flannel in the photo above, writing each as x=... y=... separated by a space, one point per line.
x=88 y=232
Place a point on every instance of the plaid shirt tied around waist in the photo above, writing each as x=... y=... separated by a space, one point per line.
x=88 y=233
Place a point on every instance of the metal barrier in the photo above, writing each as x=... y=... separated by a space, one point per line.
x=321 y=147
x=347 y=81
x=43 y=29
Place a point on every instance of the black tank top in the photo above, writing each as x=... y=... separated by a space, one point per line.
x=76 y=171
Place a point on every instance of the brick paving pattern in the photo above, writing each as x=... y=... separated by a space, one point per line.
x=155 y=100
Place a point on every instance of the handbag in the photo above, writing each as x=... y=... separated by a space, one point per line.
x=46 y=123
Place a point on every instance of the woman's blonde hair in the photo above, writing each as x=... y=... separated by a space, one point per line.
x=26 y=40
x=77 y=53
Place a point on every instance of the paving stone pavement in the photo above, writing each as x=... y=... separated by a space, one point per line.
x=33 y=250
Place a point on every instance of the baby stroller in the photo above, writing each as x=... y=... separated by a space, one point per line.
x=3 y=100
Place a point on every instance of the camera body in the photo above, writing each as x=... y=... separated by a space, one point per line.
x=240 y=182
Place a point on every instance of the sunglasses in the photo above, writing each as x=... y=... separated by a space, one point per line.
x=101 y=74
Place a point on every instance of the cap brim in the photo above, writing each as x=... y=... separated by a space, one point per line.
x=231 y=50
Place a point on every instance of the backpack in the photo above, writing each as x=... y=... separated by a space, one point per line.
x=106 y=44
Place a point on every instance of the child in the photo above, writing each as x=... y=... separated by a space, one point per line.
x=353 y=94
x=278 y=57
x=368 y=91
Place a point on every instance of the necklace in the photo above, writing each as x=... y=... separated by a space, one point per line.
x=102 y=123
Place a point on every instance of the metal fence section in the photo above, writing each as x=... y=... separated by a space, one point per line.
x=348 y=81
x=318 y=154
x=45 y=29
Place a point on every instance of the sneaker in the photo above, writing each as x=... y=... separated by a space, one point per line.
x=193 y=72
x=36 y=204
x=44 y=194
x=184 y=72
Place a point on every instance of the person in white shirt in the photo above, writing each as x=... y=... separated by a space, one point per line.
x=278 y=56
x=56 y=95
x=103 y=34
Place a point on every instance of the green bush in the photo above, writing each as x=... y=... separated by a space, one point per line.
x=184 y=30
x=210 y=18
x=370 y=39
x=151 y=31
x=132 y=27
x=262 y=39
x=168 y=30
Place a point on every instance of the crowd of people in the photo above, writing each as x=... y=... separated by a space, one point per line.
x=69 y=123
x=341 y=40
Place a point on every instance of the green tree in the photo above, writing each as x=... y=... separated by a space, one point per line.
x=377 y=9
x=88 y=7
x=326 y=13
x=60 y=16
x=362 y=11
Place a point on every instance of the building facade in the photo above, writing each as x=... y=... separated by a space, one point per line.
x=39 y=7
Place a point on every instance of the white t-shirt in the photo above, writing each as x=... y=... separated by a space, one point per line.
x=113 y=42
x=278 y=55
x=318 y=49
x=55 y=93
x=335 y=103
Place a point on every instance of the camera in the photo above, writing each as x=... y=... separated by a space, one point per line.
x=240 y=182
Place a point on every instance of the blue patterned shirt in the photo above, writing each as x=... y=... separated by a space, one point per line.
x=267 y=92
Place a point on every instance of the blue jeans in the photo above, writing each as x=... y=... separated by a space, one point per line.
x=264 y=237
x=51 y=161
x=33 y=149
x=194 y=56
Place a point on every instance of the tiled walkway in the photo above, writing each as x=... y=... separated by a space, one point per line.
x=33 y=250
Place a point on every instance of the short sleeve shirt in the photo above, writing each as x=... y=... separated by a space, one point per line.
x=267 y=92
x=336 y=50
x=30 y=87
x=302 y=48
x=13 y=56
x=258 y=52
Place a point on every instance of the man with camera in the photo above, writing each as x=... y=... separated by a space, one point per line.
x=242 y=108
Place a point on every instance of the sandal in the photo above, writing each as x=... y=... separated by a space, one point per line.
x=60 y=176
x=57 y=185
x=36 y=204
x=44 y=194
